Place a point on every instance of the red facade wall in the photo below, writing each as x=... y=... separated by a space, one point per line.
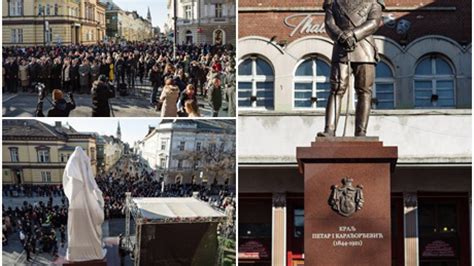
x=447 y=18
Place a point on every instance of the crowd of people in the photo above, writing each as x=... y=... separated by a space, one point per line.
x=106 y=68
x=40 y=226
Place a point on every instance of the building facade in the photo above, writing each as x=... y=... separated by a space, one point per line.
x=34 y=152
x=48 y=22
x=421 y=104
x=127 y=25
x=204 y=21
x=173 y=149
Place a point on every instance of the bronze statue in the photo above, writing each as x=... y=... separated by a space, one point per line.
x=350 y=24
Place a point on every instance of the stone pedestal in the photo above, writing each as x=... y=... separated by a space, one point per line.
x=347 y=201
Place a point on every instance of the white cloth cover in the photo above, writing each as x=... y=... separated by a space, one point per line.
x=86 y=209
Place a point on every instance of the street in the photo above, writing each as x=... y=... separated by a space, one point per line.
x=24 y=105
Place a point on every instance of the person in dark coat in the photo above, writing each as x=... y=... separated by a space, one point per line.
x=56 y=70
x=74 y=75
x=104 y=68
x=11 y=75
x=120 y=70
x=46 y=73
x=61 y=108
x=101 y=93
x=155 y=79
x=215 y=96
x=84 y=78
x=95 y=70
x=34 y=70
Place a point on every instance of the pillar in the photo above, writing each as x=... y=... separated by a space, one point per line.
x=410 y=225
x=279 y=229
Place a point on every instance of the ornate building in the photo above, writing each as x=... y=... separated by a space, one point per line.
x=173 y=149
x=34 y=152
x=127 y=25
x=204 y=21
x=48 y=22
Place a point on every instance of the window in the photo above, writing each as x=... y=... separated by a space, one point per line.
x=14 y=155
x=63 y=158
x=298 y=223
x=16 y=7
x=163 y=145
x=198 y=146
x=434 y=83
x=188 y=12
x=255 y=86
x=17 y=35
x=218 y=11
x=46 y=177
x=56 y=9
x=40 y=10
x=48 y=9
x=43 y=156
x=180 y=164
x=181 y=146
x=383 y=92
x=312 y=86
x=163 y=163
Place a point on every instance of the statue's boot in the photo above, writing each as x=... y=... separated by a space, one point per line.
x=333 y=109
x=362 y=114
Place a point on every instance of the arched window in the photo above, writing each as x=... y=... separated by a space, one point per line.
x=255 y=86
x=434 y=83
x=383 y=92
x=312 y=84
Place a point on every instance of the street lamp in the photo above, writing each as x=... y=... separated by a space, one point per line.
x=175 y=27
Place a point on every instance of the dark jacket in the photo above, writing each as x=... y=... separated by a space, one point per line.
x=34 y=70
x=214 y=96
x=61 y=108
x=183 y=98
x=56 y=70
x=101 y=93
x=155 y=78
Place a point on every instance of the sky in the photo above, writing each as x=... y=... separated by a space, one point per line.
x=158 y=9
x=133 y=129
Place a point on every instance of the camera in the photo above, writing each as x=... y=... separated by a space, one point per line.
x=40 y=87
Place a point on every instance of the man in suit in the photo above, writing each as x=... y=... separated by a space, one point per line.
x=350 y=24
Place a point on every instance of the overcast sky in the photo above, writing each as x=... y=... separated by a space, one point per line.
x=158 y=9
x=133 y=129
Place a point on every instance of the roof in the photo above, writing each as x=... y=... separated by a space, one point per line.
x=171 y=209
x=34 y=128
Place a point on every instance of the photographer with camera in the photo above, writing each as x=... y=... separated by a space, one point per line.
x=101 y=91
x=60 y=107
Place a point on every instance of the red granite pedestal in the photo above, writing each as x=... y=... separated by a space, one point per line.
x=347 y=224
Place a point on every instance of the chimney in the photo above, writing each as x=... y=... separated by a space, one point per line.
x=58 y=124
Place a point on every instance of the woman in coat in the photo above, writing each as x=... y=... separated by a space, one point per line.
x=23 y=75
x=169 y=97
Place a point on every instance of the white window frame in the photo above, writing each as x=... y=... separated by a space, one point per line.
x=313 y=79
x=254 y=79
x=385 y=81
x=219 y=10
x=16 y=8
x=46 y=177
x=434 y=78
x=188 y=12
x=182 y=145
x=43 y=156
x=164 y=143
x=14 y=155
